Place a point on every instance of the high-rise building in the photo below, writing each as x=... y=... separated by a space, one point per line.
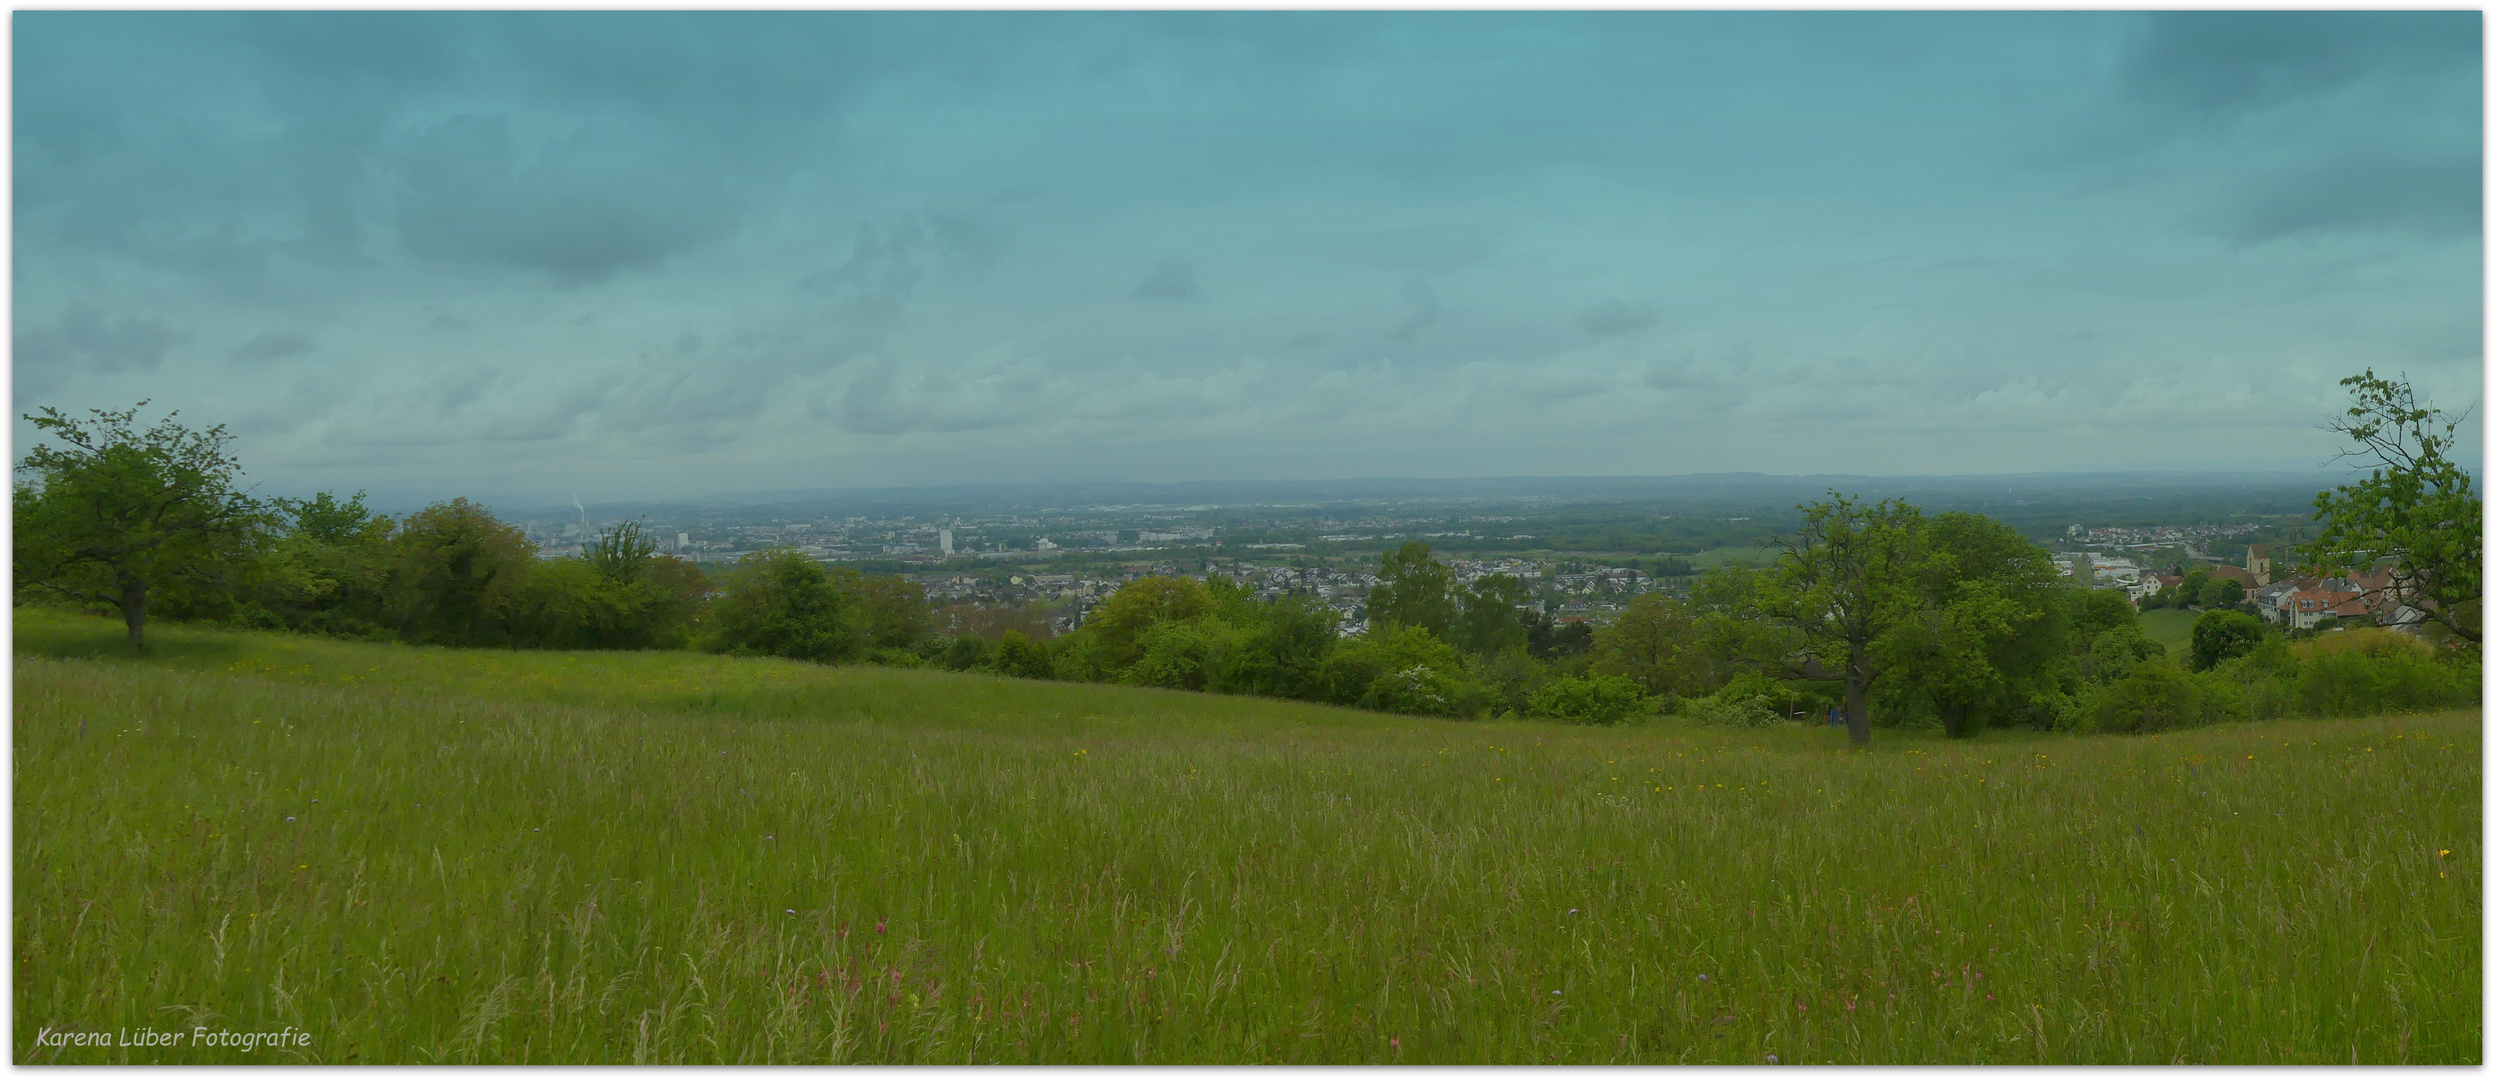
x=684 y=540
x=944 y=541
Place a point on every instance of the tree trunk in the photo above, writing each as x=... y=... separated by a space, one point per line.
x=1953 y=720
x=1857 y=690
x=134 y=613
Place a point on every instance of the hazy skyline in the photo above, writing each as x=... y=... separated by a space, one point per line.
x=653 y=255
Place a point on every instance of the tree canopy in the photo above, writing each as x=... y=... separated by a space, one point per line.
x=2414 y=507
x=114 y=513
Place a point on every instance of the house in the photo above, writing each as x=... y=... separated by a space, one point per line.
x=2335 y=598
x=2235 y=574
x=2272 y=600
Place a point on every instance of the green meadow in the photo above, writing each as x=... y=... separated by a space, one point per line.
x=420 y=855
x=2170 y=627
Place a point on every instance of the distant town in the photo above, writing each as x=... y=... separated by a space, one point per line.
x=1044 y=568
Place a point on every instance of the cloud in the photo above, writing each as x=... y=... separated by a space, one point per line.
x=2219 y=64
x=273 y=345
x=579 y=207
x=1615 y=317
x=2429 y=197
x=1422 y=304
x=84 y=339
x=1170 y=279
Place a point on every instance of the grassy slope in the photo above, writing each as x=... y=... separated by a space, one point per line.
x=591 y=858
x=2171 y=627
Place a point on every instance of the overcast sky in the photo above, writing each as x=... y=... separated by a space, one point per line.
x=651 y=255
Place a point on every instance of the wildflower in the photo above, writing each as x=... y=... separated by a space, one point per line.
x=1554 y=993
x=2442 y=853
x=290 y=817
x=1396 y=1043
x=792 y=911
x=879 y=926
x=1771 y=1059
x=1702 y=978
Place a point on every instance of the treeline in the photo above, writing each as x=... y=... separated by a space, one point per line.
x=1872 y=611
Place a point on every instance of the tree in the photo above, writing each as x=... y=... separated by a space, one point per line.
x=2414 y=507
x=1119 y=623
x=779 y=602
x=456 y=575
x=115 y=513
x=2221 y=593
x=1490 y=619
x=1845 y=580
x=1413 y=589
x=1988 y=623
x=2219 y=635
x=1647 y=645
x=2187 y=594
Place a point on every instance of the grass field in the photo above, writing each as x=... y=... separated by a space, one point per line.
x=420 y=855
x=2170 y=627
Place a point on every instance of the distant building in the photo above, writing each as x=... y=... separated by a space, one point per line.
x=684 y=540
x=944 y=541
x=2257 y=560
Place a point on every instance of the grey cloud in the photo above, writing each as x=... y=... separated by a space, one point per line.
x=1169 y=279
x=1615 y=317
x=578 y=208
x=2219 y=63
x=274 y=345
x=2427 y=197
x=84 y=338
x=1423 y=314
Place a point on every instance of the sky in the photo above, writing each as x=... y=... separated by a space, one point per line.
x=659 y=255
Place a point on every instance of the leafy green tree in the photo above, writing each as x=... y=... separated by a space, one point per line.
x=113 y=513
x=2113 y=652
x=1735 y=634
x=2095 y=611
x=1019 y=656
x=779 y=602
x=456 y=575
x=2221 y=593
x=1982 y=636
x=2219 y=635
x=1119 y=623
x=2188 y=593
x=1282 y=650
x=1652 y=644
x=1184 y=655
x=1846 y=579
x=1490 y=616
x=2415 y=507
x=324 y=568
x=1405 y=670
x=1413 y=589
x=897 y=616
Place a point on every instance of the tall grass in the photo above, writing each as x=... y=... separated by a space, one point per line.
x=422 y=855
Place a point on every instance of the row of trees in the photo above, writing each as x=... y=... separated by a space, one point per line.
x=1873 y=608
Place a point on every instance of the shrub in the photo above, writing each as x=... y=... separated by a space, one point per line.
x=2155 y=696
x=781 y=603
x=1180 y=655
x=1019 y=656
x=1601 y=699
x=2223 y=635
x=2369 y=671
x=1405 y=670
x=1730 y=707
